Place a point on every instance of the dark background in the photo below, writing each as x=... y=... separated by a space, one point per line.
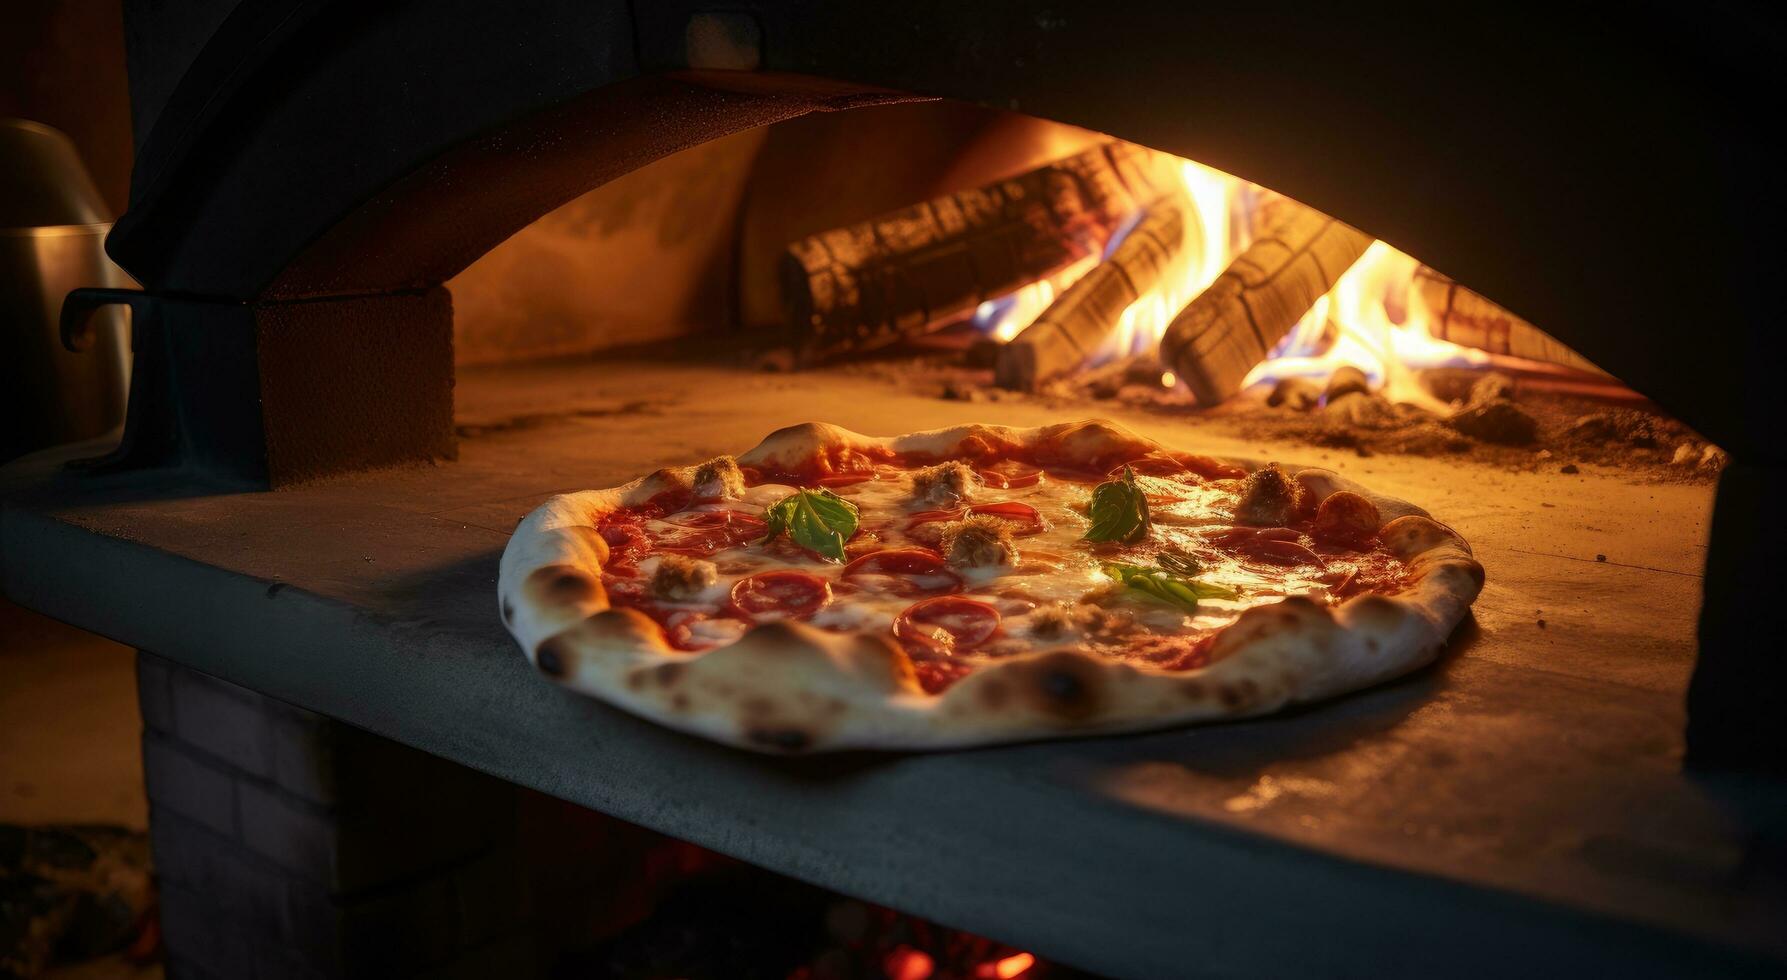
x=62 y=63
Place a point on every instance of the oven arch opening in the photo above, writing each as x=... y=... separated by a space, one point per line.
x=1483 y=146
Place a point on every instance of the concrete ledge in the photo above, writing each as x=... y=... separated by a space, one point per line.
x=1521 y=807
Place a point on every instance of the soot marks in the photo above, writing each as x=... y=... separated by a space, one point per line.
x=994 y=694
x=1066 y=685
x=561 y=585
x=1241 y=694
x=553 y=658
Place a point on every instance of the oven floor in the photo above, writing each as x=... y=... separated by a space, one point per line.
x=1522 y=801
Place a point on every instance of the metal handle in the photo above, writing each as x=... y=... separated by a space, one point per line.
x=80 y=305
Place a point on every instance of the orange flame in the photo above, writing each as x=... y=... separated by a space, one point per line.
x=1007 y=316
x=1216 y=233
x=1374 y=318
x=1367 y=333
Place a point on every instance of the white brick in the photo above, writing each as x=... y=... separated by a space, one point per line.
x=224 y=720
x=154 y=693
x=294 y=835
x=304 y=754
x=221 y=870
x=195 y=931
x=180 y=781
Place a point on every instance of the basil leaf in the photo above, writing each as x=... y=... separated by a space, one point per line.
x=1158 y=583
x=1119 y=510
x=818 y=520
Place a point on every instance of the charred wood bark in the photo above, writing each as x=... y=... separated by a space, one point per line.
x=907 y=272
x=1469 y=319
x=1232 y=326
x=1081 y=321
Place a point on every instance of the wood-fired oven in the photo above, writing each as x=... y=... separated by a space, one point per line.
x=361 y=227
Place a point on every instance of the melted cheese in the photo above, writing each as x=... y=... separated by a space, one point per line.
x=1055 y=567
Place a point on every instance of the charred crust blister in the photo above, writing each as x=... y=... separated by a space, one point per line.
x=1066 y=686
x=719 y=479
x=945 y=484
x=680 y=578
x=993 y=694
x=561 y=584
x=552 y=659
x=979 y=541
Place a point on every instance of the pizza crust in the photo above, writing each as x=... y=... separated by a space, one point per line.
x=788 y=687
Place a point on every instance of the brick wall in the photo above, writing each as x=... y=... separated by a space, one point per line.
x=290 y=845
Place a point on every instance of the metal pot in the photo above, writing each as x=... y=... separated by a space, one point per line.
x=53 y=225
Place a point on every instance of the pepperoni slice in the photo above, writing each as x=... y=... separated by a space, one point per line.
x=936 y=676
x=628 y=544
x=1027 y=518
x=947 y=623
x=904 y=571
x=1238 y=536
x=1281 y=552
x=932 y=517
x=785 y=594
x=1346 y=519
x=705 y=532
x=1009 y=475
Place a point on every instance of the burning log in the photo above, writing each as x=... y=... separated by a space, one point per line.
x=1295 y=392
x=1232 y=326
x=904 y=273
x=1468 y=319
x=1344 y=380
x=1077 y=325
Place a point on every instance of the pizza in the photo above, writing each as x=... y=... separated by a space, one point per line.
x=974 y=585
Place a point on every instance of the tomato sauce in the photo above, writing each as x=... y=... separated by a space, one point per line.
x=952 y=622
